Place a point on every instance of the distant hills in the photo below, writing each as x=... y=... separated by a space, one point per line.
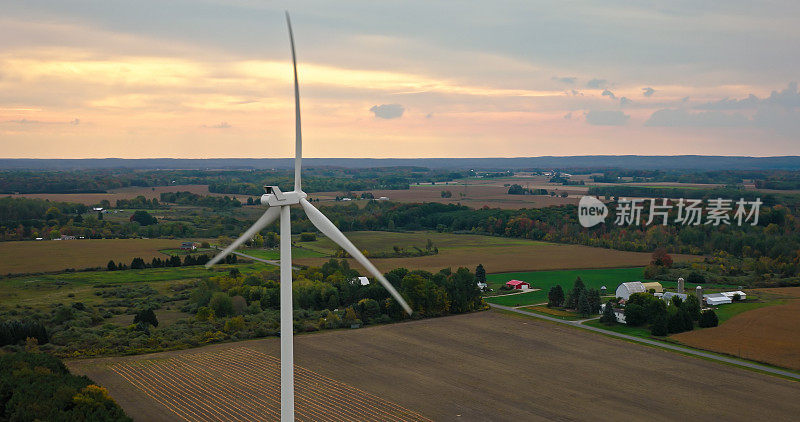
x=638 y=162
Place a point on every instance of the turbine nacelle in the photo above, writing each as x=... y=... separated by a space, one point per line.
x=275 y=198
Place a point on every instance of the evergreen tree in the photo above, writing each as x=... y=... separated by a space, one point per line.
x=594 y=301
x=111 y=265
x=709 y=319
x=608 y=314
x=555 y=296
x=584 y=308
x=480 y=274
x=692 y=306
x=575 y=293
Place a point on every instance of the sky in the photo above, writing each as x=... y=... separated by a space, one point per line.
x=405 y=79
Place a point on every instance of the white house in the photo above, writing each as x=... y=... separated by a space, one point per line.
x=482 y=285
x=361 y=280
x=618 y=313
x=714 y=299
x=625 y=290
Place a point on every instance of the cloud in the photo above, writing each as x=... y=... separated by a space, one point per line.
x=575 y=93
x=683 y=118
x=730 y=104
x=624 y=101
x=648 y=91
x=75 y=122
x=388 y=111
x=220 y=125
x=568 y=116
x=607 y=93
x=606 y=118
x=596 y=83
x=787 y=98
x=565 y=79
x=429 y=116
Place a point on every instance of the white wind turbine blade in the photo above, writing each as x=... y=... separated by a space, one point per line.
x=265 y=220
x=298 y=138
x=329 y=229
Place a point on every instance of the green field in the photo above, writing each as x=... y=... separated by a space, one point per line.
x=276 y=253
x=593 y=278
x=544 y=280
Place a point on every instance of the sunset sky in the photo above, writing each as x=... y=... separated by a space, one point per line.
x=202 y=79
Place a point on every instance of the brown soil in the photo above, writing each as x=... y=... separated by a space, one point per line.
x=481 y=366
x=770 y=334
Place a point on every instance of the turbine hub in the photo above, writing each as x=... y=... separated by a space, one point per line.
x=275 y=198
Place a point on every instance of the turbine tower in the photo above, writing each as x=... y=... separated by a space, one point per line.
x=279 y=204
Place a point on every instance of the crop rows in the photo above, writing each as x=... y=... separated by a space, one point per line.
x=242 y=384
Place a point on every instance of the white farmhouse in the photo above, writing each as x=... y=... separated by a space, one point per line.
x=625 y=290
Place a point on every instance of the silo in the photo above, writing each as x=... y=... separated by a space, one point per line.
x=699 y=292
x=680 y=285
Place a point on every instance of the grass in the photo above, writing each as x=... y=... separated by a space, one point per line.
x=623 y=329
x=58 y=255
x=592 y=278
x=726 y=312
x=53 y=288
x=521 y=299
x=553 y=312
x=276 y=253
x=544 y=280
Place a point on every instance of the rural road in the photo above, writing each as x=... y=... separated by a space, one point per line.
x=694 y=352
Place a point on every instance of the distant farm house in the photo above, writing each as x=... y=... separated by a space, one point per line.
x=188 y=246
x=67 y=237
x=518 y=285
x=363 y=281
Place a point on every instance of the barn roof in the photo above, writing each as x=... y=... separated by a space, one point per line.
x=516 y=282
x=634 y=286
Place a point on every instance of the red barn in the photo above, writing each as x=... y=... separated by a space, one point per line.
x=519 y=285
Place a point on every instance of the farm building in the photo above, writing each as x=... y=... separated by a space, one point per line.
x=714 y=299
x=625 y=290
x=654 y=286
x=482 y=285
x=742 y=295
x=360 y=280
x=188 y=246
x=667 y=296
x=518 y=285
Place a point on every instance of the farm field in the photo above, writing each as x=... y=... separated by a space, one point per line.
x=58 y=255
x=477 y=193
x=495 y=253
x=125 y=193
x=457 y=367
x=769 y=334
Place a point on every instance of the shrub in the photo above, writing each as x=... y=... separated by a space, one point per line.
x=234 y=324
x=146 y=316
x=635 y=315
x=221 y=304
x=308 y=237
x=708 y=319
x=659 y=326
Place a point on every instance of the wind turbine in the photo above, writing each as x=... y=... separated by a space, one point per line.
x=279 y=204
